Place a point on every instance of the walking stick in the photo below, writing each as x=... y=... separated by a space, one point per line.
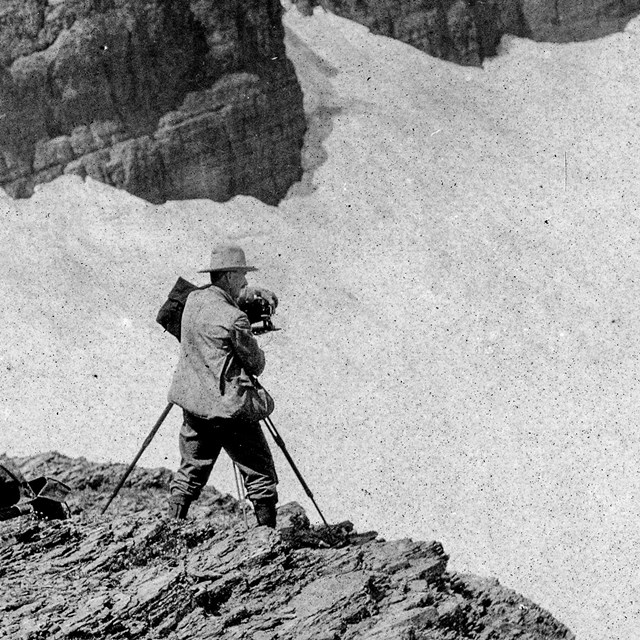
x=280 y=442
x=145 y=444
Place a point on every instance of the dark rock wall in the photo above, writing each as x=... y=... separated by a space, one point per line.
x=467 y=31
x=569 y=20
x=168 y=99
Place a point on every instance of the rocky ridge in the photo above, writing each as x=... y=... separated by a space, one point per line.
x=134 y=574
x=167 y=99
x=468 y=31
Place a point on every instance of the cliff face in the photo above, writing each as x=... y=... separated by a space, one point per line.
x=168 y=99
x=133 y=574
x=467 y=31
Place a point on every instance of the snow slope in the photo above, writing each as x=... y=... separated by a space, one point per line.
x=458 y=273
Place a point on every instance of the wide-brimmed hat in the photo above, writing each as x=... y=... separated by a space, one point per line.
x=227 y=257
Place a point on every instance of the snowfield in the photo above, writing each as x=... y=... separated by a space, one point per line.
x=459 y=280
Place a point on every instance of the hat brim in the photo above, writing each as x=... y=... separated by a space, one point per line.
x=223 y=269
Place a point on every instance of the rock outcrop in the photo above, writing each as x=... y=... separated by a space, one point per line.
x=168 y=99
x=467 y=31
x=133 y=574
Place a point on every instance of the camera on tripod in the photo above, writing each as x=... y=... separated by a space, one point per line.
x=259 y=305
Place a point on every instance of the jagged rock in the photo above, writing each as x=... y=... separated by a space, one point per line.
x=134 y=574
x=168 y=99
x=467 y=31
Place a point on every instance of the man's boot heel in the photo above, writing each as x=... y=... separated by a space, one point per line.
x=265 y=511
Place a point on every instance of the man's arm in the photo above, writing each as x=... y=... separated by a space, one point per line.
x=246 y=346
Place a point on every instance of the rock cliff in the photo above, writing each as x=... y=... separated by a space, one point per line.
x=133 y=574
x=168 y=99
x=467 y=31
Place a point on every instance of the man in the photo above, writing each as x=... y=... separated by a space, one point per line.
x=216 y=339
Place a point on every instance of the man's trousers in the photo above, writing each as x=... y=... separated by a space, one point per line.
x=202 y=440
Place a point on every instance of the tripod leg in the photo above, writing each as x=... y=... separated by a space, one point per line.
x=145 y=444
x=280 y=442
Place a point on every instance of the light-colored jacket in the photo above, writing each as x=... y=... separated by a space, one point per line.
x=216 y=345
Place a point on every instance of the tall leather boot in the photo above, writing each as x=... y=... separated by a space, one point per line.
x=265 y=511
x=178 y=509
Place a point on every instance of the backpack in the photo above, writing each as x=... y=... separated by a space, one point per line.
x=170 y=314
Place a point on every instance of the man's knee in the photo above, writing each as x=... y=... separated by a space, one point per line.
x=198 y=455
x=190 y=479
